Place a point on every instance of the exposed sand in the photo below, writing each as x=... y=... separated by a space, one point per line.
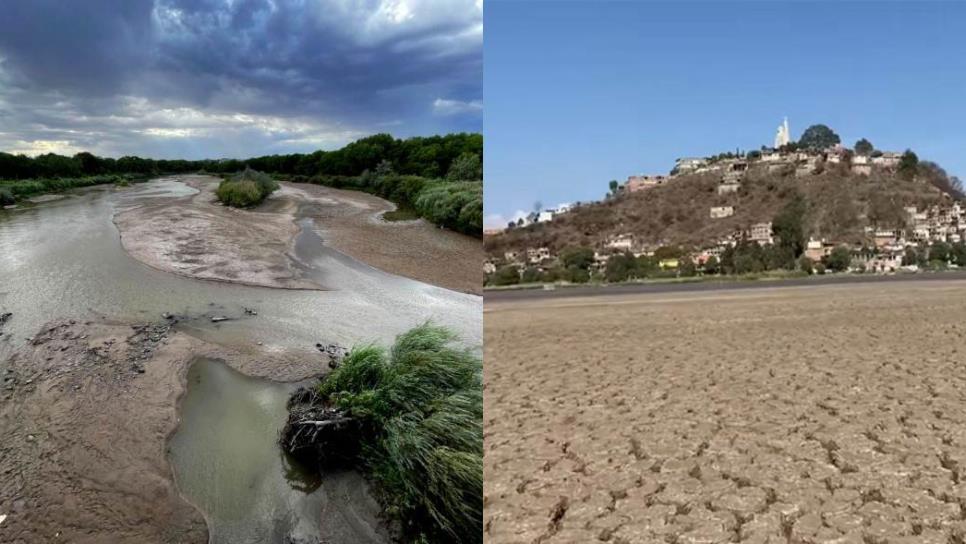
x=817 y=414
x=198 y=237
x=83 y=433
x=351 y=222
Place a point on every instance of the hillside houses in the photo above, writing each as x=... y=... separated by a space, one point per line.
x=642 y=182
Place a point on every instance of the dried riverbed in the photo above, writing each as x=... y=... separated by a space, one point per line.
x=815 y=414
x=93 y=374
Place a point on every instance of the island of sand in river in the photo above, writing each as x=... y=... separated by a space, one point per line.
x=89 y=404
x=198 y=237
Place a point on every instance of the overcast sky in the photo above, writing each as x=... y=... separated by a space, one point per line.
x=234 y=78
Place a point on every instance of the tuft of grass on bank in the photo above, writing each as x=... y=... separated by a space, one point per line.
x=401 y=214
x=245 y=189
x=421 y=407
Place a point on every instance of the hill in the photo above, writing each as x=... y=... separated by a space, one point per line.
x=840 y=204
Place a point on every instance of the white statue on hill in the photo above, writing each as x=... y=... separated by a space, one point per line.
x=784 y=136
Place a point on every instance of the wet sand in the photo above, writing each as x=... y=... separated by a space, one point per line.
x=804 y=414
x=196 y=236
x=414 y=249
x=86 y=411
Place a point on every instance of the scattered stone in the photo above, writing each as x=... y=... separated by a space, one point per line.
x=219 y=318
x=30 y=438
x=250 y=311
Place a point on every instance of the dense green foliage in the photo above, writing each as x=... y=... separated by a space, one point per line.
x=818 y=137
x=864 y=147
x=908 y=164
x=839 y=259
x=13 y=190
x=456 y=205
x=422 y=410
x=788 y=227
x=409 y=172
x=466 y=167
x=247 y=188
x=421 y=156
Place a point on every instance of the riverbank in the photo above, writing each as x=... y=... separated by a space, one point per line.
x=87 y=408
x=197 y=237
x=352 y=222
x=15 y=191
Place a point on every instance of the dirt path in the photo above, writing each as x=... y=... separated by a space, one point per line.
x=198 y=237
x=85 y=412
x=823 y=414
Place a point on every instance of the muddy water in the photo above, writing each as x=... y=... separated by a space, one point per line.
x=228 y=464
x=63 y=258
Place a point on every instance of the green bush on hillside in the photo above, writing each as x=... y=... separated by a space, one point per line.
x=421 y=406
x=246 y=189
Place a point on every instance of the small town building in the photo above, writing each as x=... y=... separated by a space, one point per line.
x=639 y=183
x=688 y=164
x=621 y=242
x=718 y=212
x=761 y=233
x=538 y=255
x=888 y=159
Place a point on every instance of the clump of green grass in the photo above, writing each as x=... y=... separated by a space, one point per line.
x=421 y=409
x=401 y=214
x=246 y=189
x=6 y=197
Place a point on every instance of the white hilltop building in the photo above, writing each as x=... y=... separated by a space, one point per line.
x=783 y=137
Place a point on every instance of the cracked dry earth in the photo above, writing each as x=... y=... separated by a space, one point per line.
x=816 y=414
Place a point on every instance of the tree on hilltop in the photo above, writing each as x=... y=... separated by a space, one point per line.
x=864 y=147
x=908 y=165
x=818 y=137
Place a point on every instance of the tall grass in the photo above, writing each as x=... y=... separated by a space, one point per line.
x=421 y=407
x=247 y=188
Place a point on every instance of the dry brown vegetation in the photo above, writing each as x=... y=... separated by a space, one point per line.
x=840 y=204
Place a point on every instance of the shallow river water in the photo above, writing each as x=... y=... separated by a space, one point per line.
x=63 y=259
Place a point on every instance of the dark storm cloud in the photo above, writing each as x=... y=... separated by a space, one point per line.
x=242 y=76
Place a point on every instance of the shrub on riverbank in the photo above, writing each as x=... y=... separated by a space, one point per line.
x=418 y=410
x=246 y=188
x=26 y=188
x=456 y=205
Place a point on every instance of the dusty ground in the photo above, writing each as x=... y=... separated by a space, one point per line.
x=198 y=237
x=415 y=249
x=820 y=414
x=85 y=412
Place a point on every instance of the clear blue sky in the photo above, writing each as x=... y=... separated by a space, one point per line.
x=579 y=93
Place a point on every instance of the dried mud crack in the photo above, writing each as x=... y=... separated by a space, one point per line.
x=826 y=414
